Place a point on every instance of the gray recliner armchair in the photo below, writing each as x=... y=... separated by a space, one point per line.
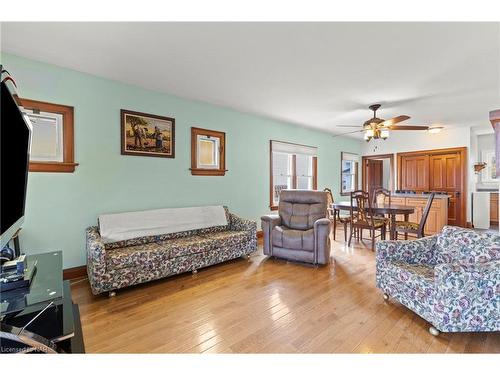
x=300 y=231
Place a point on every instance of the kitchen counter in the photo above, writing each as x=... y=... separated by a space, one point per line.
x=419 y=195
x=438 y=214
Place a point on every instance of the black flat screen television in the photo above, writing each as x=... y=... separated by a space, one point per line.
x=15 y=138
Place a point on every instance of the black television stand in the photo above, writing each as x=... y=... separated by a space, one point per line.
x=42 y=317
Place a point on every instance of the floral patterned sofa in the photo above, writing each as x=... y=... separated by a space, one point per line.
x=121 y=264
x=451 y=279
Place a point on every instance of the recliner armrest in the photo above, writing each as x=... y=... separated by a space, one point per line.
x=272 y=219
x=322 y=241
x=268 y=222
x=323 y=221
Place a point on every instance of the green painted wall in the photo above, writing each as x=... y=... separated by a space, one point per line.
x=60 y=206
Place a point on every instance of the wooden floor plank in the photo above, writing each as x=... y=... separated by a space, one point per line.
x=265 y=305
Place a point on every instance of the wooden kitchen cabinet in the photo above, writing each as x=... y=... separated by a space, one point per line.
x=415 y=173
x=441 y=170
x=494 y=208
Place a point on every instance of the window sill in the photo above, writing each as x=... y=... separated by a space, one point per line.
x=42 y=166
x=208 y=172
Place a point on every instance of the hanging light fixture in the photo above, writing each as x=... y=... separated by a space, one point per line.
x=435 y=129
x=384 y=134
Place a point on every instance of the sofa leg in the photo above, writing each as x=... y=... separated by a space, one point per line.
x=434 y=331
x=386 y=297
x=246 y=256
x=112 y=293
x=194 y=272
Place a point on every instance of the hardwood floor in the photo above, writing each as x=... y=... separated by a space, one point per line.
x=265 y=306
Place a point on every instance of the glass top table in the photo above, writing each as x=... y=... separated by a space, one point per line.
x=46 y=285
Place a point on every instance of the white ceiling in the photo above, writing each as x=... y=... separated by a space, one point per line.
x=312 y=74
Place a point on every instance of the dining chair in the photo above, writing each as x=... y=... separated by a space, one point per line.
x=415 y=228
x=381 y=195
x=336 y=216
x=362 y=217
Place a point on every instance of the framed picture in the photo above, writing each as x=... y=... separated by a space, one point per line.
x=144 y=134
x=208 y=152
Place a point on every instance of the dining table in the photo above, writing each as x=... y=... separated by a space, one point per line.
x=389 y=209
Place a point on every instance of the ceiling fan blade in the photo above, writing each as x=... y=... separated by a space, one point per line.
x=347 y=126
x=394 y=120
x=339 y=135
x=409 y=127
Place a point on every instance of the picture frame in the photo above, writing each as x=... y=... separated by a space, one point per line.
x=144 y=134
x=208 y=152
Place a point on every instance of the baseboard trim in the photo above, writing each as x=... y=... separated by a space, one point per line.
x=260 y=234
x=74 y=273
x=469 y=225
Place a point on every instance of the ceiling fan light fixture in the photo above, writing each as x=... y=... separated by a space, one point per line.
x=435 y=129
x=384 y=134
x=370 y=133
x=367 y=137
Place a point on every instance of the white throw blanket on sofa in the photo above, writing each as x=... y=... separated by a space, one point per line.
x=128 y=225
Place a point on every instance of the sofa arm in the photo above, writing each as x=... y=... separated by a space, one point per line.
x=456 y=275
x=420 y=251
x=96 y=252
x=268 y=222
x=96 y=258
x=237 y=223
x=322 y=240
x=467 y=296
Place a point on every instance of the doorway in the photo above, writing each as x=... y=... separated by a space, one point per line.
x=377 y=172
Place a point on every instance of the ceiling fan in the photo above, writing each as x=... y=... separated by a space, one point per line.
x=376 y=128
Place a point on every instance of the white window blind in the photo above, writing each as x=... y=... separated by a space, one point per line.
x=291 y=148
x=47 y=139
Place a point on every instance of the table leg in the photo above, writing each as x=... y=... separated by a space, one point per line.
x=335 y=213
x=407 y=218
x=393 y=226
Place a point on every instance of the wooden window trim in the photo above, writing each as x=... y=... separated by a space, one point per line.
x=273 y=207
x=221 y=171
x=68 y=164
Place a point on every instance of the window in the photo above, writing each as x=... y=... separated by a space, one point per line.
x=348 y=173
x=293 y=166
x=208 y=153
x=52 y=143
x=489 y=174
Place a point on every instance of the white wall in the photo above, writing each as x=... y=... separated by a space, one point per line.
x=407 y=141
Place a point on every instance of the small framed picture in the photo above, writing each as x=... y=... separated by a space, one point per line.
x=208 y=153
x=144 y=134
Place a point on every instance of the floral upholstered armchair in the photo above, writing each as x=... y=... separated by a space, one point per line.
x=451 y=279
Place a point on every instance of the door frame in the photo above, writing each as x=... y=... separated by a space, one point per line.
x=463 y=166
x=364 y=173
